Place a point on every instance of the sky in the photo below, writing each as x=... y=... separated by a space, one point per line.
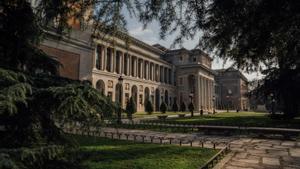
x=150 y=35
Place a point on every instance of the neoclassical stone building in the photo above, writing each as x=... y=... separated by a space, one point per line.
x=148 y=72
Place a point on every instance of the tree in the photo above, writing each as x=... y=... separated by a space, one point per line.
x=182 y=107
x=262 y=35
x=163 y=107
x=130 y=108
x=175 y=107
x=149 y=107
x=26 y=114
x=191 y=109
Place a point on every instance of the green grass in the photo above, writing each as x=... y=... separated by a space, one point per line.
x=102 y=153
x=154 y=114
x=238 y=119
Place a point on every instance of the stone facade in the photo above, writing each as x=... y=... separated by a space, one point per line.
x=149 y=72
x=231 y=89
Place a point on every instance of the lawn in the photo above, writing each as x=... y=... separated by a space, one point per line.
x=102 y=153
x=238 y=119
x=154 y=114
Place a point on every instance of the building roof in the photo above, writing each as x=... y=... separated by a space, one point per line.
x=231 y=69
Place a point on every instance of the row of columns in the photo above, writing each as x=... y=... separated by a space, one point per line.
x=115 y=61
x=206 y=93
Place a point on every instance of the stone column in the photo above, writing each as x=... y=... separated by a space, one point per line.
x=120 y=62
x=209 y=94
x=94 y=57
x=136 y=66
x=130 y=65
x=104 y=58
x=114 y=60
x=158 y=73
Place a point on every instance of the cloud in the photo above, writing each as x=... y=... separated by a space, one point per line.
x=139 y=31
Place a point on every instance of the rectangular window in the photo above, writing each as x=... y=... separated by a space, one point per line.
x=99 y=57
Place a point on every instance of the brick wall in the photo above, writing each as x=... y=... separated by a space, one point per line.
x=69 y=60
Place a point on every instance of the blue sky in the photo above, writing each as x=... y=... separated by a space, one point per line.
x=150 y=35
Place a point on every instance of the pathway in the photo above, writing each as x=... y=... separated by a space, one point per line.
x=246 y=153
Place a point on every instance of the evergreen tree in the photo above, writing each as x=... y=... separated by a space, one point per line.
x=149 y=107
x=163 y=107
x=182 y=107
x=130 y=108
x=191 y=109
x=175 y=107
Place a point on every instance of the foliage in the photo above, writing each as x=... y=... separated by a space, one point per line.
x=262 y=35
x=163 y=107
x=191 y=109
x=175 y=107
x=182 y=107
x=26 y=114
x=130 y=108
x=20 y=30
x=47 y=157
x=149 y=107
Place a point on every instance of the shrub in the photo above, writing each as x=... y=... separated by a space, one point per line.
x=163 y=107
x=182 y=107
x=174 y=107
x=149 y=107
x=191 y=109
x=130 y=108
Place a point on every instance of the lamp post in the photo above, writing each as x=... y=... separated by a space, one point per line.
x=120 y=82
x=191 y=104
x=229 y=92
x=272 y=103
x=213 y=99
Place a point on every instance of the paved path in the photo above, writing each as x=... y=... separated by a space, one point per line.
x=246 y=153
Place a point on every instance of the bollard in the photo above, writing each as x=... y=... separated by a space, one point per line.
x=151 y=138
x=127 y=135
x=112 y=135
x=180 y=142
x=191 y=143
x=143 y=138
x=119 y=135
x=170 y=139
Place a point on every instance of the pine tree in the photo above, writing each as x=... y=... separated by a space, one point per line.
x=130 y=108
x=175 y=107
x=163 y=108
x=149 y=107
x=182 y=107
x=191 y=109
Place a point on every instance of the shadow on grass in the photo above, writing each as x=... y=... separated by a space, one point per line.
x=112 y=153
x=230 y=119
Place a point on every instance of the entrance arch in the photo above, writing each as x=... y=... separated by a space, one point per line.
x=134 y=94
x=100 y=86
x=157 y=99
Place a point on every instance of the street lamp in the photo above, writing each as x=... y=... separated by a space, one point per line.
x=213 y=99
x=272 y=103
x=191 y=104
x=119 y=111
x=229 y=92
x=191 y=97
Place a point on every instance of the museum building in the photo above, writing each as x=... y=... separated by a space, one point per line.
x=148 y=72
